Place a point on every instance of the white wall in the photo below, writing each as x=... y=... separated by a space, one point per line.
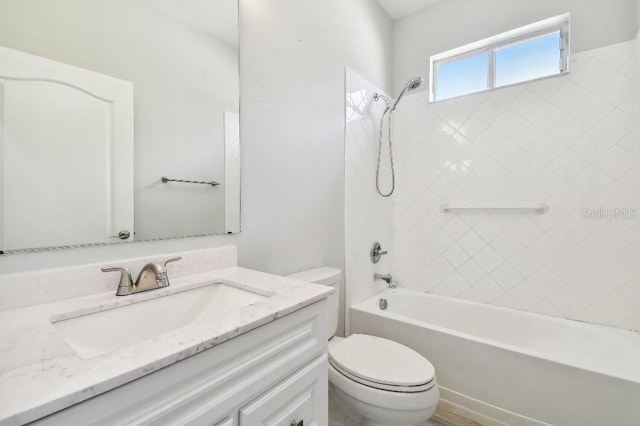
x=638 y=121
x=569 y=141
x=294 y=55
x=292 y=59
x=453 y=23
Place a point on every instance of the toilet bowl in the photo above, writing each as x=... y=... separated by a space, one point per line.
x=375 y=381
x=380 y=382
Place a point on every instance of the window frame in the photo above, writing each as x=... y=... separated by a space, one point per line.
x=489 y=45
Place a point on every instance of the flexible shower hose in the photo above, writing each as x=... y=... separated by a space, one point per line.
x=393 y=174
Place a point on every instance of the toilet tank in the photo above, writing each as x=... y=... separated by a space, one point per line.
x=328 y=276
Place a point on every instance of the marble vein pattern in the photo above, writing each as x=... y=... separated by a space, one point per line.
x=41 y=374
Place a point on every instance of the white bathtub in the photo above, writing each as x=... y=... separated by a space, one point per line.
x=530 y=369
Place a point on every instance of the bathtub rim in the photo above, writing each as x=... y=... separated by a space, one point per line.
x=370 y=305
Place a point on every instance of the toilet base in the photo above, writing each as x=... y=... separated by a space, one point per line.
x=360 y=413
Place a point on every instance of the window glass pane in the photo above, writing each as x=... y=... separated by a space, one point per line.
x=461 y=76
x=528 y=60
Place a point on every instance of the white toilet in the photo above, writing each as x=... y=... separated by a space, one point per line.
x=376 y=381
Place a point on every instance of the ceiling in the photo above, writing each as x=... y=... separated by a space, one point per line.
x=400 y=8
x=218 y=18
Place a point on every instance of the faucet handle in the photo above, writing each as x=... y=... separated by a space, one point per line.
x=125 y=285
x=376 y=252
x=163 y=278
x=173 y=259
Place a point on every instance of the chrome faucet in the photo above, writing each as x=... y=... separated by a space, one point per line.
x=152 y=276
x=387 y=278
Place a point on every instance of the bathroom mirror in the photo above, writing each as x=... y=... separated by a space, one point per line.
x=100 y=101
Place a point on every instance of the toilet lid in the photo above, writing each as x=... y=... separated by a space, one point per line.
x=380 y=361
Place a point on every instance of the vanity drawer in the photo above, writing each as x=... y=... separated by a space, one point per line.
x=301 y=399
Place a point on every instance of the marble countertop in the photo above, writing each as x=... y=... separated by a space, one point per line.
x=41 y=374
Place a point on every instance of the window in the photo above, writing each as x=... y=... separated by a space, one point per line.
x=528 y=53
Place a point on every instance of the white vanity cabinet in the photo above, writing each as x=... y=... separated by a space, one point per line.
x=275 y=374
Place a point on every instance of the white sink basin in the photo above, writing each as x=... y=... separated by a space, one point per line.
x=108 y=330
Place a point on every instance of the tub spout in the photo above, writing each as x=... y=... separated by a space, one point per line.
x=386 y=277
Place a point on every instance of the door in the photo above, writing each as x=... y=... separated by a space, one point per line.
x=66 y=140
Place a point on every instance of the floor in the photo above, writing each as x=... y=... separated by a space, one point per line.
x=431 y=422
x=436 y=422
x=338 y=418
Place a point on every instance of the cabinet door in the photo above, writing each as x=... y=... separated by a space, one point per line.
x=301 y=399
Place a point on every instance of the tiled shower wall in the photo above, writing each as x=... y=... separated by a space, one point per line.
x=569 y=141
x=368 y=217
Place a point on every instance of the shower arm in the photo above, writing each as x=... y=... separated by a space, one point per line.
x=412 y=84
x=377 y=97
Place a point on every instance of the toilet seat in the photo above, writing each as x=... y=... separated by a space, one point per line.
x=382 y=364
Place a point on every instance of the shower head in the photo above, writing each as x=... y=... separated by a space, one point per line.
x=412 y=84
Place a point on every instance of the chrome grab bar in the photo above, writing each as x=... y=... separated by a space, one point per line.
x=540 y=209
x=212 y=183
